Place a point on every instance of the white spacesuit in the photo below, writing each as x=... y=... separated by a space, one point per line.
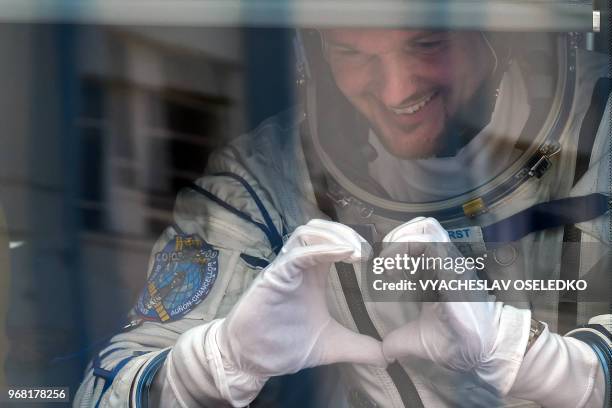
x=244 y=285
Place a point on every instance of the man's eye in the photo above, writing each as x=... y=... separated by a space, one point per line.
x=347 y=52
x=349 y=57
x=431 y=45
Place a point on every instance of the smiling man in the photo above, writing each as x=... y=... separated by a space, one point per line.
x=409 y=84
x=396 y=125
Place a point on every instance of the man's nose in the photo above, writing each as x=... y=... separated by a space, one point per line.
x=396 y=80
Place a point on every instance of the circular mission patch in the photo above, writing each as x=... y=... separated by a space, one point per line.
x=183 y=275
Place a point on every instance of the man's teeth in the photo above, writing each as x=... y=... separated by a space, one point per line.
x=409 y=110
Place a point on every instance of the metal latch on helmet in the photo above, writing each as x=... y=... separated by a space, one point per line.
x=339 y=199
x=344 y=201
x=540 y=162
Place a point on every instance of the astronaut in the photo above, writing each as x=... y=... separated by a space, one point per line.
x=404 y=135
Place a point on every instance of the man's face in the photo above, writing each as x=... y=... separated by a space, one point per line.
x=408 y=84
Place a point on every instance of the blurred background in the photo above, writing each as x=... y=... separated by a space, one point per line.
x=106 y=111
x=101 y=126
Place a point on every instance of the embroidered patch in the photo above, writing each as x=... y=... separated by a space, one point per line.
x=183 y=275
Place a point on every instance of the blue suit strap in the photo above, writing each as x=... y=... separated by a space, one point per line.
x=146 y=378
x=98 y=371
x=568 y=309
x=542 y=216
x=271 y=237
x=177 y=229
x=254 y=262
x=590 y=124
x=278 y=238
x=109 y=375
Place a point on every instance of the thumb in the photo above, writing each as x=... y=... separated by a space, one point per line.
x=341 y=345
x=404 y=342
x=428 y=229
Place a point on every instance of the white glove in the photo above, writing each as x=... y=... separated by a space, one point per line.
x=560 y=372
x=484 y=337
x=281 y=324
